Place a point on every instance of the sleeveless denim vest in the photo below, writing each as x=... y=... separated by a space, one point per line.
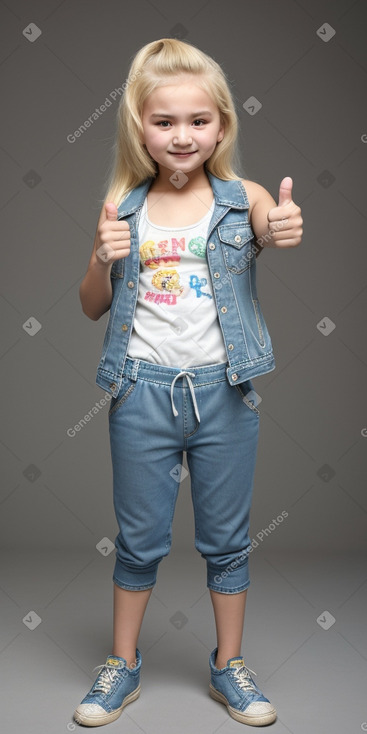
x=230 y=255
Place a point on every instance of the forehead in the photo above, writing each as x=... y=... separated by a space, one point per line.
x=182 y=92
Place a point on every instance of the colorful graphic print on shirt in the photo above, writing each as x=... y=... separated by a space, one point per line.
x=164 y=259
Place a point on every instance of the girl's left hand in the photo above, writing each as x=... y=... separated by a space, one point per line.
x=285 y=220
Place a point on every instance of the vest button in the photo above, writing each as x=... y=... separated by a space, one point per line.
x=216 y=275
x=237 y=238
x=131 y=284
x=224 y=309
x=113 y=385
x=235 y=376
x=230 y=346
x=211 y=246
x=124 y=327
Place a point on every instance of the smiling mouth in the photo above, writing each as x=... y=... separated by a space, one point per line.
x=190 y=152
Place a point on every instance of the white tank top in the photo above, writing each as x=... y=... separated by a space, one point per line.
x=176 y=322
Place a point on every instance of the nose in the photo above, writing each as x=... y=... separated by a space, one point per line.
x=182 y=136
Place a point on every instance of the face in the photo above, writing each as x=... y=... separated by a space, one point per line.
x=181 y=125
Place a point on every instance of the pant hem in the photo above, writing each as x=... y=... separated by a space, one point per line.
x=222 y=590
x=136 y=578
x=129 y=587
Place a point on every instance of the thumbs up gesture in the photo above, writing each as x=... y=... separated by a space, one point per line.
x=285 y=220
x=113 y=235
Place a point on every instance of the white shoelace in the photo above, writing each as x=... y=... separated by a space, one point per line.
x=106 y=677
x=188 y=375
x=243 y=678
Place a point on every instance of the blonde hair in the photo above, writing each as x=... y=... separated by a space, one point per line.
x=153 y=66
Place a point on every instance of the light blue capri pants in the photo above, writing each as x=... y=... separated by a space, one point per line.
x=159 y=413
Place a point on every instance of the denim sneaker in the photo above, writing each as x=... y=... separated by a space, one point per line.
x=234 y=687
x=115 y=686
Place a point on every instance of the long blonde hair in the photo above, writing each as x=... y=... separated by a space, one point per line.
x=155 y=65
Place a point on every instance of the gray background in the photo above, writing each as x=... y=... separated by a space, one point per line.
x=56 y=491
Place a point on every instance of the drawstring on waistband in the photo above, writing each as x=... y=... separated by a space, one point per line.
x=187 y=375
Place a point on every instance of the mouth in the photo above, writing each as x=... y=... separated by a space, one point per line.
x=183 y=155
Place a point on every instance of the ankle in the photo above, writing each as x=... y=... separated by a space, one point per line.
x=221 y=662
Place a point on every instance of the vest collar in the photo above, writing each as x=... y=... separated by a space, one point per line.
x=228 y=193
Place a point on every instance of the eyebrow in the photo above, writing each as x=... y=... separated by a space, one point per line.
x=196 y=114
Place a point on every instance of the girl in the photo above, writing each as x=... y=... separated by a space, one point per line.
x=174 y=259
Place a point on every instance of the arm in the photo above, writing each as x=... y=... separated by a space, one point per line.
x=112 y=241
x=261 y=202
x=95 y=290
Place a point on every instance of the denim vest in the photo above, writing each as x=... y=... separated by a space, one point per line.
x=231 y=261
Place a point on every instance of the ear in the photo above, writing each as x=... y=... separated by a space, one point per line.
x=220 y=134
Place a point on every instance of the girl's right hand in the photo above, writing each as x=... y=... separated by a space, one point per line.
x=114 y=237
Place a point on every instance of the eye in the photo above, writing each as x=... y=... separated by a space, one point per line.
x=166 y=122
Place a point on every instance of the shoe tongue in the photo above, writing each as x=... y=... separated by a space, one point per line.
x=115 y=660
x=235 y=662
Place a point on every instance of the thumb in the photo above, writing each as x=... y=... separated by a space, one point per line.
x=285 y=191
x=111 y=210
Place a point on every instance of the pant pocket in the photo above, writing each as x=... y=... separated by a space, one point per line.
x=127 y=387
x=248 y=395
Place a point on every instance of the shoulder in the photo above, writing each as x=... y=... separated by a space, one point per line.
x=257 y=194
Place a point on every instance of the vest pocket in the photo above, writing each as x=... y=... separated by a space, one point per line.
x=237 y=240
x=257 y=312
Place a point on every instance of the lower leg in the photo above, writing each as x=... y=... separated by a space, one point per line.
x=229 y=613
x=128 y=612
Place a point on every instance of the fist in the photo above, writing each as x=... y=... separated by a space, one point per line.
x=114 y=237
x=285 y=220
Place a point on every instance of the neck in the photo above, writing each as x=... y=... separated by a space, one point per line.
x=197 y=179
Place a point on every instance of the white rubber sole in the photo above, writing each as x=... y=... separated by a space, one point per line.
x=252 y=719
x=106 y=718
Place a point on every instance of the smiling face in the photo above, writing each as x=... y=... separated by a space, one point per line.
x=181 y=126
